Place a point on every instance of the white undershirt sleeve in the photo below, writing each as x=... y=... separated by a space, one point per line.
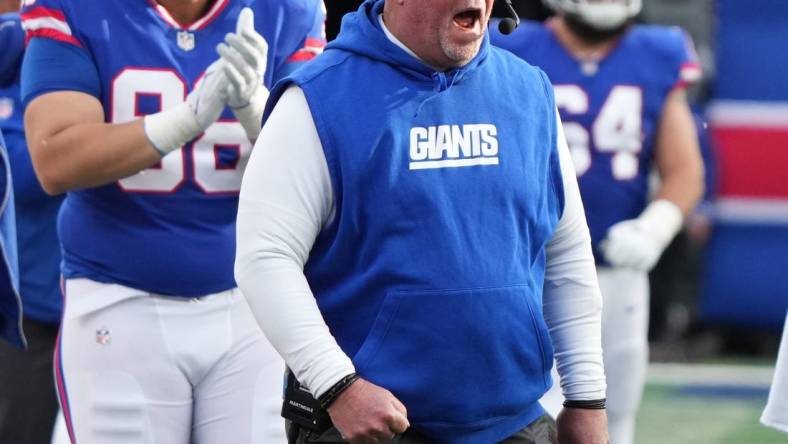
x=572 y=302
x=286 y=199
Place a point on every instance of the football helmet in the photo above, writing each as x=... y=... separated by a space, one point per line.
x=602 y=15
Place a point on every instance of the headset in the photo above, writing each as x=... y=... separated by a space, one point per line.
x=509 y=24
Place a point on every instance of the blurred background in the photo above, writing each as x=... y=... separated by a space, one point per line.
x=720 y=292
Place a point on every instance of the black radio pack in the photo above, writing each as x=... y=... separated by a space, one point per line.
x=302 y=408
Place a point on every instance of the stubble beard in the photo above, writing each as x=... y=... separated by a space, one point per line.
x=457 y=53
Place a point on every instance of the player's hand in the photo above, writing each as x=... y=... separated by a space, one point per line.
x=207 y=99
x=582 y=426
x=170 y=129
x=638 y=243
x=245 y=55
x=367 y=413
x=630 y=245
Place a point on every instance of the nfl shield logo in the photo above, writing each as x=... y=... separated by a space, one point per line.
x=589 y=67
x=186 y=40
x=6 y=107
x=103 y=337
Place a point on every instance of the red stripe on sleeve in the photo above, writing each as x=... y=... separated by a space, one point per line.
x=40 y=12
x=302 y=56
x=314 y=43
x=54 y=35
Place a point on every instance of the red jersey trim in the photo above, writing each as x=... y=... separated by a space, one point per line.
x=202 y=22
x=52 y=34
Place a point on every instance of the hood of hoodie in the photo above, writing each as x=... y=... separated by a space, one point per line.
x=361 y=34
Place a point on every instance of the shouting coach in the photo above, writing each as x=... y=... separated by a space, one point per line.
x=411 y=239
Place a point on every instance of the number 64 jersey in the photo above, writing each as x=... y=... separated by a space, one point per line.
x=169 y=229
x=610 y=110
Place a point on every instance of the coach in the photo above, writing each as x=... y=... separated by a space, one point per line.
x=409 y=213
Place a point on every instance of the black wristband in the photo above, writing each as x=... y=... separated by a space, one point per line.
x=327 y=398
x=593 y=404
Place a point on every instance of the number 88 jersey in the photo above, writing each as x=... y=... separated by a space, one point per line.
x=169 y=229
x=610 y=110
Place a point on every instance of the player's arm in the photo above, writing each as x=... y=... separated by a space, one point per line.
x=71 y=144
x=677 y=154
x=638 y=243
x=72 y=147
x=572 y=307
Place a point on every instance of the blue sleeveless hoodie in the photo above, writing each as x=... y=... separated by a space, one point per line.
x=447 y=187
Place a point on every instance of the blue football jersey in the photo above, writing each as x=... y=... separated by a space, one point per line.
x=36 y=212
x=169 y=229
x=10 y=303
x=610 y=110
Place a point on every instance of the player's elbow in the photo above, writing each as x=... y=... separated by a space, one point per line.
x=49 y=174
x=52 y=185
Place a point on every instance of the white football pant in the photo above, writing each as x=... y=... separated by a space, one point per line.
x=132 y=367
x=59 y=432
x=776 y=413
x=625 y=295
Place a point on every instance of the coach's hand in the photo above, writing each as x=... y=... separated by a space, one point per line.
x=367 y=413
x=582 y=426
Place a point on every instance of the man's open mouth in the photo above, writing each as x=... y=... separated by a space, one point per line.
x=467 y=18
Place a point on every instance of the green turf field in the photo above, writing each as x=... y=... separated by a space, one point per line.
x=701 y=404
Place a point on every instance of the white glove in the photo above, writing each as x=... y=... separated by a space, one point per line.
x=638 y=243
x=245 y=54
x=170 y=129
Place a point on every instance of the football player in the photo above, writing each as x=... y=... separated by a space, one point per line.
x=126 y=112
x=28 y=404
x=10 y=303
x=620 y=90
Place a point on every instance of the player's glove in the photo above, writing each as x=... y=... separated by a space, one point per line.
x=171 y=128
x=638 y=243
x=245 y=54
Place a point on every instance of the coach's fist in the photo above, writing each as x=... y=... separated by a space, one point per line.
x=582 y=426
x=367 y=413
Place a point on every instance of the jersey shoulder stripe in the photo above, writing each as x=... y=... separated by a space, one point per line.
x=41 y=21
x=674 y=47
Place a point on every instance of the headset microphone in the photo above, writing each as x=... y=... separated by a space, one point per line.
x=508 y=25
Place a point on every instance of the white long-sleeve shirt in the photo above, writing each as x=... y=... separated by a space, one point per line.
x=286 y=200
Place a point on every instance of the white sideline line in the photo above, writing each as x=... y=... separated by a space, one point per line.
x=710 y=374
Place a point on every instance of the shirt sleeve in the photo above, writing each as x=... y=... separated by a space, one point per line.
x=572 y=303
x=312 y=43
x=286 y=199
x=48 y=19
x=55 y=60
x=688 y=69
